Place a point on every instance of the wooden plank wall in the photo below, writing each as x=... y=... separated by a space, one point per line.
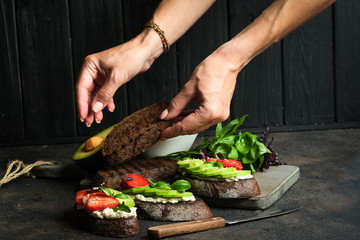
x=309 y=80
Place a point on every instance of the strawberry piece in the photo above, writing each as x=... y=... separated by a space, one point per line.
x=211 y=159
x=133 y=181
x=100 y=202
x=87 y=196
x=82 y=196
x=79 y=197
x=229 y=163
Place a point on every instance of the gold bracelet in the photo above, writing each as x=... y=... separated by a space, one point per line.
x=161 y=33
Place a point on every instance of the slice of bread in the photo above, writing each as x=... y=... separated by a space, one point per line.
x=181 y=211
x=123 y=227
x=155 y=169
x=134 y=134
x=245 y=188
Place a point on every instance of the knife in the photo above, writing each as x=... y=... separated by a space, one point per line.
x=173 y=229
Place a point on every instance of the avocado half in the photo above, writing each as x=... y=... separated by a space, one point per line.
x=91 y=161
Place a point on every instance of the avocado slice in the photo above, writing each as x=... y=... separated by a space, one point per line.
x=150 y=192
x=164 y=192
x=91 y=161
x=234 y=174
x=178 y=194
x=138 y=190
x=189 y=163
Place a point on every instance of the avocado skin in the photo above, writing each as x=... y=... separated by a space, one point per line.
x=93 y=160
x=92 y=163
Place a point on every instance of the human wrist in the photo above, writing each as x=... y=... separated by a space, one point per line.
x=249 y=43
x=150 y=43
x=234 y=56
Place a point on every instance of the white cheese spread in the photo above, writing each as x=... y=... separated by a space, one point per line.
x=109 y=213
x=162 y=199
x=231 y=179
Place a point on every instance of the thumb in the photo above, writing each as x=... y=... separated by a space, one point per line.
x=176 y=106
x=103 y=96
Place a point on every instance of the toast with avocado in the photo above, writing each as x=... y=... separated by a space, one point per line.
x=218 y=178
x=161 y=201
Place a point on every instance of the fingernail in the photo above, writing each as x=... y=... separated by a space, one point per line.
x=97 y=121
x=81 y=120
x=163 y=139
x=112 y=109
x=97 y=107
x=164 y=114
x=87 y=124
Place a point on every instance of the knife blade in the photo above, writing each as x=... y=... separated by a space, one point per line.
x=173 y=229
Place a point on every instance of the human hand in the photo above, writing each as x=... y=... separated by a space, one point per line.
x=211 y=86
x=103 y=73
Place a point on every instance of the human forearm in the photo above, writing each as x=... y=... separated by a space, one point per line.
x=174 y=17
x=278 y=20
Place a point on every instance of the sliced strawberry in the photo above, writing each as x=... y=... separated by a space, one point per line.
x=100 y=202
x=82 y=196
x=89 y=194
x=79 y=197
x=228 y=163
x=133 y=181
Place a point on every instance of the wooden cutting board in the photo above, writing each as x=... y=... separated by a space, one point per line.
x=273 y=183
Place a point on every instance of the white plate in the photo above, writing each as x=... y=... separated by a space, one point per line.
x=176 y=144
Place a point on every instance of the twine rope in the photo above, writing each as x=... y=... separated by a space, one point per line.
x=19 y=169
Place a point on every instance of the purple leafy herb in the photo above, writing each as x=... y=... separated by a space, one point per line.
x=220 y=156
x=270 y=159
x=203 y=153
x=264 y=136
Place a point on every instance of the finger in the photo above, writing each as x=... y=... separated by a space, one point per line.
x=89 y=119
x=98 y=116
x=104 y=96
x=177 y=105
x=84 y=88
x=194 y=123
x=198 y=121
x=111 y=105
x=185 y=113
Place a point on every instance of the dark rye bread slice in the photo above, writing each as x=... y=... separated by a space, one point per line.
x=156 y=169
x=246 y=188
x=134 y=134
x=123 y=227
x=181 y=211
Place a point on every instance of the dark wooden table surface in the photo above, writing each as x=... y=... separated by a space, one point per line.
x=328 y=189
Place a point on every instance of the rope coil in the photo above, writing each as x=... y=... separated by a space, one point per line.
x=19 y=169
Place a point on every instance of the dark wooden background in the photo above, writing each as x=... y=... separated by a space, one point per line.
x=309 y=80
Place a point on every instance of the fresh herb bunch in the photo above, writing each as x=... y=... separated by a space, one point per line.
x=245 y=147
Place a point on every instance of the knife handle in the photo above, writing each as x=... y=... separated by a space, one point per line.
x=185 y=227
